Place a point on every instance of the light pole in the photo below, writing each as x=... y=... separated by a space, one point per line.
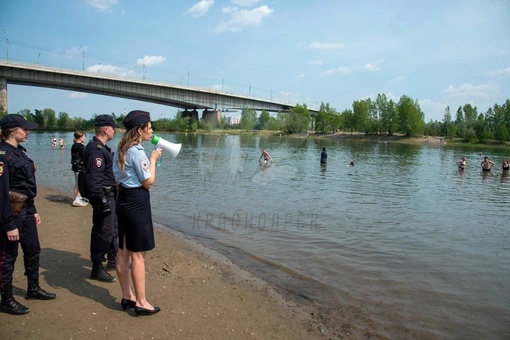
x=38 y=57
x=188 y=74
x=143 y=75
x=99 y=67
x=6 y=44
x=249 y=89
x=82 y=58
x=221 y=83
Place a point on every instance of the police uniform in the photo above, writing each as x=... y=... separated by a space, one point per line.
x=133 y=205
x=136 y=233
x=19 y=170
x=101 y=189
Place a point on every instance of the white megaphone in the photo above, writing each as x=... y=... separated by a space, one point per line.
x=173 y=149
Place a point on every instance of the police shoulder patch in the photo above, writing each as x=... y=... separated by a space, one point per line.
x=99 y=162
x=144 y=163
x=1 y=168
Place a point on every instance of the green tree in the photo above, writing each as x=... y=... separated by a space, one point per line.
x=50 y=119
x=63 y=120
x=39 y=118
x=248 y=119
x=298 y=119
x=363 y=118
x=387 y=114
x=263 y=118
x=272 y=124
x=411 y=118
x=348 y=120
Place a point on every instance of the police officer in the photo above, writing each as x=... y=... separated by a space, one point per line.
x=19 y=171
x=136 y=174
x=101 y=190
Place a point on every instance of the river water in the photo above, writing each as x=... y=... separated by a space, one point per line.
x=402 y=240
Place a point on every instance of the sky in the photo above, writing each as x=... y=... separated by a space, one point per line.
x=440 y=53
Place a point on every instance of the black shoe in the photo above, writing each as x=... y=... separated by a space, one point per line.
x=11 y=306
x=100 y=274
x=125 y=303
x=110 y=264
x=144 y=311
x=39 y=294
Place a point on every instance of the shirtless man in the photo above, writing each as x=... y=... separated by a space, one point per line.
x=486 y=164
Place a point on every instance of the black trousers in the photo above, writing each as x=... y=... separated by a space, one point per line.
x=103 y=238
x=29 y=240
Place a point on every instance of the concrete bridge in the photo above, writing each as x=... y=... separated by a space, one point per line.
x=188 y=98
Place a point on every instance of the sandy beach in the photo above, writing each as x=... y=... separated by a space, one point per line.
x=202 y=295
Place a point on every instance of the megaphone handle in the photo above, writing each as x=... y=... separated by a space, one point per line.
x=159 y=161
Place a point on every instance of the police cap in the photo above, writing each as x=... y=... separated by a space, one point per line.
x=105 y=120
x=15 y=120
x=136 y=118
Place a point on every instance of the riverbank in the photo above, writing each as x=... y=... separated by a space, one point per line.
x=202 y=295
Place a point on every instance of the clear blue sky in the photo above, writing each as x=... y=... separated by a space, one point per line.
x=442 y=53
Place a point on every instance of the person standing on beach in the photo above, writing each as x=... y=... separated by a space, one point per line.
x=101 y=189
x=324 y=156
x=19 y=226
x=78 y=167
x=136 y=174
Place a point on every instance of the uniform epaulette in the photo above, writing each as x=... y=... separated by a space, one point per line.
x=2 y=152
x=99 y=146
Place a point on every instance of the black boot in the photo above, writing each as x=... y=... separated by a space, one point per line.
x=110 y=264
x=100 y=274
x=9 y=304
x=35 y=292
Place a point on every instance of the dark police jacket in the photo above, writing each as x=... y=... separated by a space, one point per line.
x=99 y=166
x=21 y=170
x=6 y=217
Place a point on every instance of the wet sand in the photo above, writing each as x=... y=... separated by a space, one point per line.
x=202 y=294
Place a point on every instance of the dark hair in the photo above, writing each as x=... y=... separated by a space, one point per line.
x=78 y=135
x=5 y=133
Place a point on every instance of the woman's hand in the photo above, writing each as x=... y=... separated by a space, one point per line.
x=156 y=154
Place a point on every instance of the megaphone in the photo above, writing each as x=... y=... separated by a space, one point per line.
x=173 y=149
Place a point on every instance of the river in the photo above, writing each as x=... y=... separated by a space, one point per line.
x=402 y=238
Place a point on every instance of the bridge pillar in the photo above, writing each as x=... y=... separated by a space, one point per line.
x=3 y=94
x=193 y=114
x=211 y=116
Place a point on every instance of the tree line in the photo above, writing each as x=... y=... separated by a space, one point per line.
x=380 y=116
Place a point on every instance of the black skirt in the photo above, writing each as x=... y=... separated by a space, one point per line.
x=135 y=219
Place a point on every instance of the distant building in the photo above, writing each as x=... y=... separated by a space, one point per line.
x=233 y=120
